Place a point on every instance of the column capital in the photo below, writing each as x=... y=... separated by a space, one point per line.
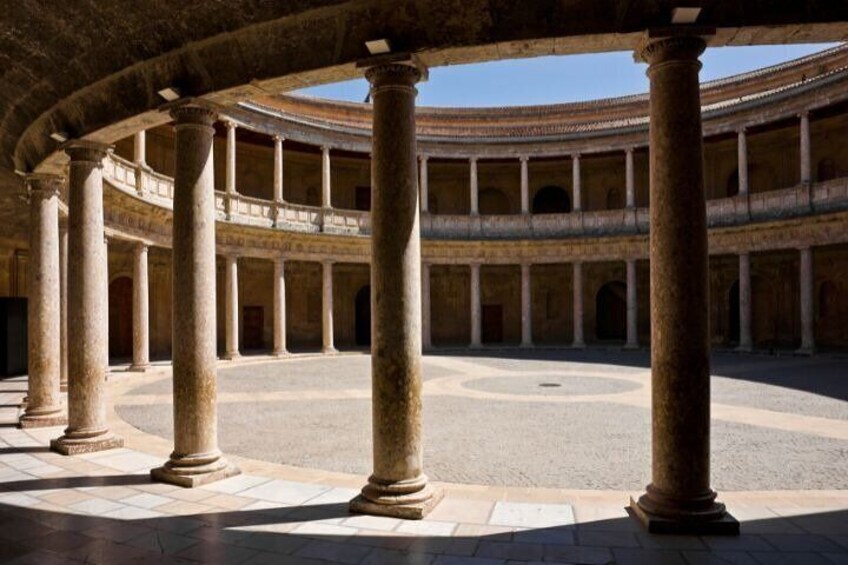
x=523 y=158
x=575 y=156
x=278 y=138
x=229 y=123
x=629 y=150
x=423 y=158
x=192 y=113
x=674 y=47
x=742 y=130
x=393 y=70
x=84 y=150
x=141 y=247
x=43 y=185
x=328 y=262
x=804 y=114
x=473 y=160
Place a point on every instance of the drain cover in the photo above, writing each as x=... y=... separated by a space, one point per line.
x=550 y=385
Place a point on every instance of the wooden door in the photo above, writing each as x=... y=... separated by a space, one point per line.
x=492 y=320
x=253 y=318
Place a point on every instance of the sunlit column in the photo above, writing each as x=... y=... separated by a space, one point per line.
x=742 y=150
x=326 y=187
x=141 y=310
x=473 y=186
x=327 y=304
x=230 y=186
x=278 y=169
x=423 y=187
x=525 y=185
x=806 y=167
x=231 y=307
x=576 y=182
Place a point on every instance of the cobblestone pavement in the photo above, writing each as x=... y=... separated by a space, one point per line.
x=554 y=419
x=103 y=507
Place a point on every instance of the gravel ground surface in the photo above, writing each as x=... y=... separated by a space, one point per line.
x=596 y=445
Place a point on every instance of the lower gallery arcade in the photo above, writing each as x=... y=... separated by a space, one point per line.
x=226 y=290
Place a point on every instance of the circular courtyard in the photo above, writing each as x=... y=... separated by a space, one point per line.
x=563 y=419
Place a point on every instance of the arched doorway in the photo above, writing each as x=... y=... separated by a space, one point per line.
x=120 y=318
x=362 y=316
x=733 y=313
x=611 y=311
x=493 y=201
x=551 y=200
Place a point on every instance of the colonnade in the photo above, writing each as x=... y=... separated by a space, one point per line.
x=679 y=498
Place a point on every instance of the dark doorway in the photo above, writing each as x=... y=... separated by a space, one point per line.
x=363 y=198
x=731 y=187
x=363 y=316
x=492 y=322
x=253 y=320
x=120 y=318
x=733 y=314
x=611 y=311
x=551 y=200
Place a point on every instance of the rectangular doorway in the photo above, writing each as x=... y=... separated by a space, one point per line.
x=492 y=322
x=253 y=318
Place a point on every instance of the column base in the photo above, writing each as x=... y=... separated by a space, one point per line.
x=283 y=353
x=526 y=345
x=143 y=368
x=697 y=517
x=85 y=443
x=631 y=346
x=805 y=351
x=182 y=473
x=231 y=356
x=48 y=420
x=578 y=346
x=329 y=350
x=63 y=387
x=395 y=500
x=745 y=349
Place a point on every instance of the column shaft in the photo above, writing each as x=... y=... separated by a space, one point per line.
x=87 y=310
x=278 y=169
x=577 y=288
x=525 y=186
x=63 y=304
x=742 y=158
x=231 y=306
x=526 y=307
x=106 y=350
x=326 y=187
x=476 y=313
x=43 y=405
x=632 y=306
x=630 y=178
x=280 y=307
x=474 y=192
x=806 y=166
x=426 y=319
x=327 y=308
x=679 y=498
x=745 y=341
x=196 y=459
x=140 y=148
x=808 y=342
x=141 y=311
x=424 y=184
x=576 y=183
x=230 y=179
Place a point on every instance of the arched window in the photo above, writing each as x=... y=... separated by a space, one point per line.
x=493 y=201
x=551 y=200
x=614 y=200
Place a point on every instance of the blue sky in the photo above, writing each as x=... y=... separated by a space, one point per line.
x=548 y=80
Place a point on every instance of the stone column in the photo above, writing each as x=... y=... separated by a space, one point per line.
x=525 y=185
x=63 y=304
x=806 y=166
x=106 y=356
x=278 y=169
x=577 y=287
x=476 y=314
x=398 y=486
x=327 y=304
x=426 y=319
x=423 y=183
x=141 y=311
x=140 y=148
x=230 y=179
x=632 y=307
x=280 y=307
x=630 y=178
x=742 y=158
x=43 y=405
x=87 y=285
x=326 y=192
x=576 y=182
x=808 y=342
x=745 y=341
x=475 y=209
x=679 y=498
x=526 y=307
x=196 y=459
x=231 y=307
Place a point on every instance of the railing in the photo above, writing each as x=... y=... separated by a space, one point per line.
x=239 y=209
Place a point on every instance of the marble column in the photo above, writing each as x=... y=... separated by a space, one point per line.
x=278 y=169
x=525 y=185
x=526 y=307
x=140 y=148
x=679 y=498
x=196 y=459
x=426 y=319
x=808 y=342
x=474 y=191
x=106 y=354
x=280 y=307
x=63 y=304
x=230 y=179
x=742 y=160
x=576 y=183
x=745 y=341
x=327 y=308
x=577 y=288
x=326 y=187
x=141 y=310
x=424 y=183
x=43 y=404
x=632 y=307
x=398 y=486
x=87 y=285
x=231 y=308
x=476 y=314
x=630 y=178
x=806 y=165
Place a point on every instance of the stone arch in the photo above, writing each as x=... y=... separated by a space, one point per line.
x=120 y=317
x=362 y=316
x=551 y=199
x=493 y=201
x=611 y=311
